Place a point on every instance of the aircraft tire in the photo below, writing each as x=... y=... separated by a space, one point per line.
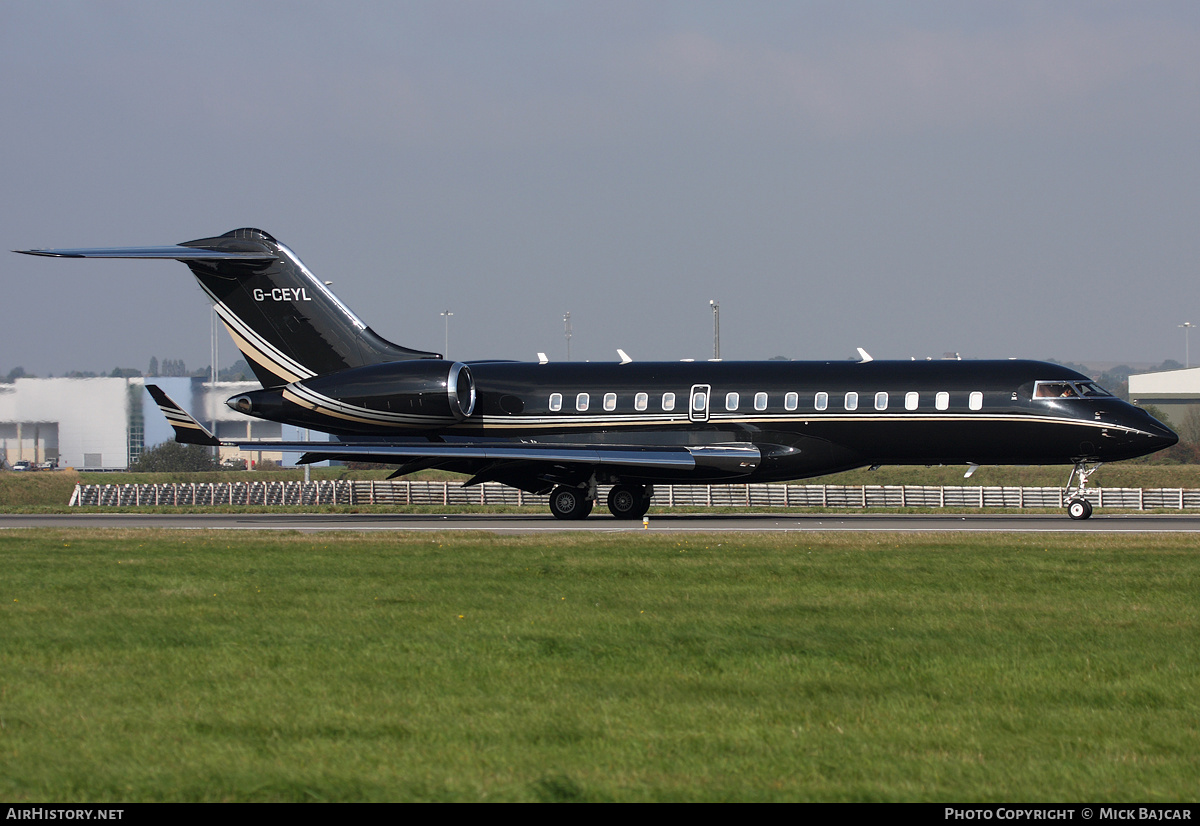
x=628 y=501
x=569 y=503
x=1079 y=509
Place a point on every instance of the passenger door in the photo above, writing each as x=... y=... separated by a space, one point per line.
x=698 y=401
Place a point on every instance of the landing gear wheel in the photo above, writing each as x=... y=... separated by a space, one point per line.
x=628 y=501
x=1079 y=509
x=570 y=503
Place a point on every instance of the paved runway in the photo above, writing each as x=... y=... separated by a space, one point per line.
x=525 y=523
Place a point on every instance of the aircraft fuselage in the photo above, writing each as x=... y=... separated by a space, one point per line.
x=806 y=418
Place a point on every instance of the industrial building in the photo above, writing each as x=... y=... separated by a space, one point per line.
x=1174 y=392
x=106 y=423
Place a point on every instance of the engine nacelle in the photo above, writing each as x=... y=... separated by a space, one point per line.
x=421 y=392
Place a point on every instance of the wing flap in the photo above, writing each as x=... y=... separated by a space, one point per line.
x=675 y=458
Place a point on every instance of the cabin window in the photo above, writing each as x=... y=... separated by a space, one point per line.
x=851 y=401
x=640 y=401
x=610 y=401
x=555 y=402
x=668 y=401
x=975 y=401
x=942 y=400
x=731 y=401
x=881 y=401
x=760 y=401
x=911 y=400
x=822 y=401
x=581 y=402
x=699 y=401
x=791 y=401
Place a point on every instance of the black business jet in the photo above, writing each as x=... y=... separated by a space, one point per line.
x=565 y=428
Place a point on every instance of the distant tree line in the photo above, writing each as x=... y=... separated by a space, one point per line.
x=238 y=371
x=170 y=368
x=1116 y=380
x=172 y=457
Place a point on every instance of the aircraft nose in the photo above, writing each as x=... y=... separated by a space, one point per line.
x=1140 y=434
x=1159 y=435
x=1164 y=437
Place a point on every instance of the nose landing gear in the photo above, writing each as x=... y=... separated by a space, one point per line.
x=1078 y=507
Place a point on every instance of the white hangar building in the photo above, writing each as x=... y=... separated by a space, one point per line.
x=106 y=423
x=1175 y=392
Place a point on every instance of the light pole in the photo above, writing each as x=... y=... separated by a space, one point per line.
x=1187 y=356
x=716 y=308
x=446 y=315
x=567 y=332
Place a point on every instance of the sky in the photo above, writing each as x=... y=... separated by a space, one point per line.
x=997 y=179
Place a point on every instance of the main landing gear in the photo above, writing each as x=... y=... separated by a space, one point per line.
x=624 y=501
x=630 y=501
x=1078 y=507
x=570 y=503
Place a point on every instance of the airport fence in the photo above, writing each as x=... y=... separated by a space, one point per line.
x=404 y=492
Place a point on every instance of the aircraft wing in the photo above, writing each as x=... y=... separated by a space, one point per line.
x=734 y=458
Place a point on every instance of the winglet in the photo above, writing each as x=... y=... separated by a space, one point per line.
x=188 y=431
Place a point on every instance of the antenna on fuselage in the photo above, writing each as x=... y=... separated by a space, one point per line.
x=542 y=359
x=625 y=359
x=864 y=356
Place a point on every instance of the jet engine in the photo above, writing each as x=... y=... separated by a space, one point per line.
x=420 y=392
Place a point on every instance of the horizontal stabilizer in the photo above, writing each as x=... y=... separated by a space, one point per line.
x=175 y=253
x=188 y=431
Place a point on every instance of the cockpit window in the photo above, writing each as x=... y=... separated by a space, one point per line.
x=1068 y=390
x=1054 y=390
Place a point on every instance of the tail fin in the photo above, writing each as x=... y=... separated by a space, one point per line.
x=286 y=322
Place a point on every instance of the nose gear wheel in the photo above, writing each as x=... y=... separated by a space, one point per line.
x=1078 y=507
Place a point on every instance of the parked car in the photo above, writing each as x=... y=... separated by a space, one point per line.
x=24 y=464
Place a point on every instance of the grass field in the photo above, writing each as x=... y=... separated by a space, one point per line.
x=251 y=666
